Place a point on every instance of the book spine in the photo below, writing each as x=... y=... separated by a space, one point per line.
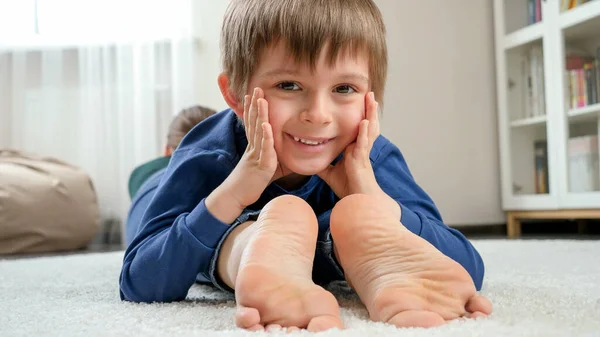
x=531 y=11
x=525 y=87
x=535 y=85
x=541 y=167
x=593 y=89
x=584 y=88
x=542 y=86
x=587 y=71
x=575 y=89
x=568 y=90
x=598 y=75
x=580 y=88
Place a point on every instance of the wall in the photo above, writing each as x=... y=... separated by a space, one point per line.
x=440 y=99
x=5 y=103
x=440 y=103
x=207 y=16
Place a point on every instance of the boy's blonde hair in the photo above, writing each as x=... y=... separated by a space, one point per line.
x=306 y=26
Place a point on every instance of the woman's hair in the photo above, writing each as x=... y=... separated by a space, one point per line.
x=184 y=122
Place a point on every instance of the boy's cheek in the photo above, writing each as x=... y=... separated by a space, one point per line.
x=355 y=116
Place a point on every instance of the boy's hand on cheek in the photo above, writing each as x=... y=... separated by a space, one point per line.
x=258 y=166
x=353 y=174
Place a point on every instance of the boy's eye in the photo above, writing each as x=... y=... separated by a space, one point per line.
x=288 y=86
x=344 y=89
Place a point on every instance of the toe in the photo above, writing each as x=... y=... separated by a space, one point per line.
x=273 y=327
x=322 y=323
x=292 y=329
x=417 y=319
x=247 y=318
x=476 y=314
x=479 y=303
x=256 y=327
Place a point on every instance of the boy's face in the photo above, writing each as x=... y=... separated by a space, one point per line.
x=305 y=107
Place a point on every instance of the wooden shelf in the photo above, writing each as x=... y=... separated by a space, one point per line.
x=513 y=218
x=524 y=36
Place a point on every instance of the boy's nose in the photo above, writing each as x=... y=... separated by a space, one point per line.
x=318 y=112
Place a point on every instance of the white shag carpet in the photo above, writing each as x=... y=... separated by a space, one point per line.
x=538 y=288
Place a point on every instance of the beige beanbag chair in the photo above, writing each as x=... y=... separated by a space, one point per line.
x=45 y=205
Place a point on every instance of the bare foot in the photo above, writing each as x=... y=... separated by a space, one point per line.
x=274 y=287
x=401 y=278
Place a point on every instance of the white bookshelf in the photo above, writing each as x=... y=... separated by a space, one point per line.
x=524 y=36
x=548 y=114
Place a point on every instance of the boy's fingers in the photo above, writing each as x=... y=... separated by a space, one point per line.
x=260 y=120
x=251 y=122
x=368 y=103
x=267 y=151
x=362 y=141
x=246 y=108
x=373 y=120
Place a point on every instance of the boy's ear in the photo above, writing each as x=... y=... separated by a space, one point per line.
x=229 y=96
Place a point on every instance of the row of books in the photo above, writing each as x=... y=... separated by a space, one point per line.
x=534 y=8
x=565 y=5
x=534 y=11
x=582 y=80
x=583 y=165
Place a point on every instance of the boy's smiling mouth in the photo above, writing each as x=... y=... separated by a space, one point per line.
x=310 y=140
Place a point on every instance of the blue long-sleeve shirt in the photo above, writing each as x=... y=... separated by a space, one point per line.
x=177 y=236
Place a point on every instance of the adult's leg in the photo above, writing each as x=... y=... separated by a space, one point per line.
x=269 y=265
x=401 y=278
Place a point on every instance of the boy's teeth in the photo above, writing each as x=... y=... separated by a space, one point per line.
x=307 y=142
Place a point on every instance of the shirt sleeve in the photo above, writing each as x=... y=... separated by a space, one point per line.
x=419 y=213
x=178 y=235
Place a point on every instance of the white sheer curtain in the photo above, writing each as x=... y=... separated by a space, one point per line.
x=96 y=83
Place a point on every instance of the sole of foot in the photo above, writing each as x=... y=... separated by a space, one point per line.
x=274 y=287
x=401 y=278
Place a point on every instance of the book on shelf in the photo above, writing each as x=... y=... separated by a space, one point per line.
x=584 y=171
x=582 y=80
x=541 y=166
x=530 y=95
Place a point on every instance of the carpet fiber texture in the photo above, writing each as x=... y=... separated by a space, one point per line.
x=538 y=288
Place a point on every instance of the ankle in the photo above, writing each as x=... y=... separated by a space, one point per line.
x=231 y=252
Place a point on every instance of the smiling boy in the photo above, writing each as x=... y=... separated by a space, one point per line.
x=293 y=186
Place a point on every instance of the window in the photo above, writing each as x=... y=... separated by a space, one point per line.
x=17 y=17
x=89 y=21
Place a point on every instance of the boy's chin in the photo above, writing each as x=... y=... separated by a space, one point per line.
x=307 y=169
